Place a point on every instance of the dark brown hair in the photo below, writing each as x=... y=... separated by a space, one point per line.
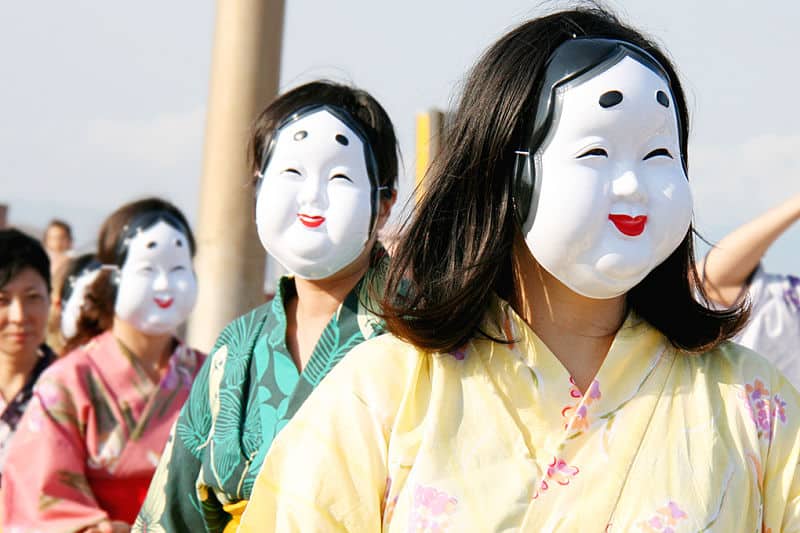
x=58 y=223
x=360 y=105
x=456 y=250
x=18 y=251
x=97 y=311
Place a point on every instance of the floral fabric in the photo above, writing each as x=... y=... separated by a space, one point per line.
x=89 y=442
x=12 y=411
x=497 y=437
x=243 y=397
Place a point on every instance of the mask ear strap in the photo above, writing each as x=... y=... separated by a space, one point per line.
x=523 y=187
x=259 y=182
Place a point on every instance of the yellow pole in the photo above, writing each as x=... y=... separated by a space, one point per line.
x=429 y=129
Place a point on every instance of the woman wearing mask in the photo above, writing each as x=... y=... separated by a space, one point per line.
x=550 y=368
x=326 y=160
x=89 y=443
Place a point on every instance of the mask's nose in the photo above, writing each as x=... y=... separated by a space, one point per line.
x=161 y=283
x=627 y=186
x=313 y=192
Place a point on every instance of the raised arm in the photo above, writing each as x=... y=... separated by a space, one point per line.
x=733 y=259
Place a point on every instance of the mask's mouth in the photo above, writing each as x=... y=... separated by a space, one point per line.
x=163 y=302
x=310 y=221
x=628 y=225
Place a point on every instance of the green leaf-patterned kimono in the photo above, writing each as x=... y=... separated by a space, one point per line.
x=243 y=396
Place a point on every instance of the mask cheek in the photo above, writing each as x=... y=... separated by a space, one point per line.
x=134 y=297
x=674 y=211
x=186 y=291
x=349 y=216
x=568 y=227
x=276 y=210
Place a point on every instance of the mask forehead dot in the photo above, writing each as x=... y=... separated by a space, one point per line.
x=662 y=98
x=300 y=135
x=610 y=99
x=341 y=139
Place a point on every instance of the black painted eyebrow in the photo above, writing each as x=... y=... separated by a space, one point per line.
x=179 y=243
x=662 y=98
x=152 y=244
x=341 y=139
x=300 y=135
x=610 y=99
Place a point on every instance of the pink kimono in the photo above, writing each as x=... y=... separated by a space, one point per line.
x=91 y=438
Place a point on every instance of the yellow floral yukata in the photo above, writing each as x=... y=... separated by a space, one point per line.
x=496 y=437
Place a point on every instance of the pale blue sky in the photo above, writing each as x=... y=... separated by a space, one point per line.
x=103 y=102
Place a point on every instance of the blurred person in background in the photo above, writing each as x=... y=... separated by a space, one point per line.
x=733 y=273
x=68 y=295
x=57 y=241
x=100 y=416
x=24 y=303
x=326 y=160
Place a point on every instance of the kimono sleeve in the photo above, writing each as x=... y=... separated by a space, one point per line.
x=781 y=485
x=172 y=502
x=327 y=469
x=44 y=481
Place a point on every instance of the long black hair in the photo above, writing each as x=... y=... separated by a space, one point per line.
x=456 y=250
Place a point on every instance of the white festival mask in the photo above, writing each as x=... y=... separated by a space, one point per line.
x=314 y=207
x=157 y=285
x=614 y=201
x=72 y=307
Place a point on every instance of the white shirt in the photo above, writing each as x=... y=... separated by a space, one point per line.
x=774 y=327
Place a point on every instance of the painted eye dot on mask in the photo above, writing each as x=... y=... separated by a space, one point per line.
x=614 y=200
x=314 y=207
x=157 y=285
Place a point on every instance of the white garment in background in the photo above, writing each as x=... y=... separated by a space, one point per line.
x=774 y=327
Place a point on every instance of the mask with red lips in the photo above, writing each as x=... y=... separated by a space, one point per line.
x=612 y=200
x=315 y=205
x=157 y=285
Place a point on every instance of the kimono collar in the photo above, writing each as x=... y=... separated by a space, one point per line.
x=635 y=351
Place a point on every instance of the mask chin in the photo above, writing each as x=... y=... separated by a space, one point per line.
x=335 y=260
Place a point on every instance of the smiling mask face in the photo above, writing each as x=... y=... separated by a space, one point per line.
x=614 y=200
x=157 y=285
x=314 y=207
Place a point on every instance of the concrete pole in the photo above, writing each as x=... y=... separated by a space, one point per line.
x=245 y=69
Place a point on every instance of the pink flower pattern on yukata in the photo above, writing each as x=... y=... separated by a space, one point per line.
x=179 y=373
x=387 y=509
x=558 y=473
x=431 y=510
x=764 y=409
x=664 y=520
x=578 y=412
x=460 y=353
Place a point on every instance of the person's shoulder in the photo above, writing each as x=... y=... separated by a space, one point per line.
x=244 y=328
x=742 y=368
x=63 y=385
x=74 y=363
x=383 y=368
